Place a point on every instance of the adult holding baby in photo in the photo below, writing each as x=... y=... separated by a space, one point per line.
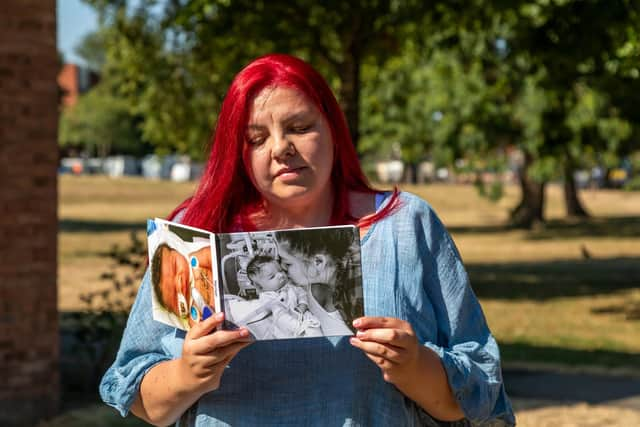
x=318 y=262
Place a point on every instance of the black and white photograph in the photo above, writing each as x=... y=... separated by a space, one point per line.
x=297 y=283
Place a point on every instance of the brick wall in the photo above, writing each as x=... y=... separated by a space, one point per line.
x=29 y=379
x=68 y=82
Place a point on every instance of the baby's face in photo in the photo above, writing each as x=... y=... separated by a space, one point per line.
x=271 y=277
x=175 y=281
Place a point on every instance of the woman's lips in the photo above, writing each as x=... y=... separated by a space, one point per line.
x=289 y=172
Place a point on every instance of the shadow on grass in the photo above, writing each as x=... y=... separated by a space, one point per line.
x=94 y=414
x=552 y=279
x=89 y=341
x=628 y=226
x=558 y=386
x=84 y=360
x=80 y=225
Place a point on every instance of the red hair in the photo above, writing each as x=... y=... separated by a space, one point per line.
x=226 y=196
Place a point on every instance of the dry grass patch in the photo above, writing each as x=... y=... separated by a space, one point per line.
x=95 y=213
x=555 y=292
x=567 y=292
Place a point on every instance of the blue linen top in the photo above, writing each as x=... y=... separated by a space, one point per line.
x=412 y=271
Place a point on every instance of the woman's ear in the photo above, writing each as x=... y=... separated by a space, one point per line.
x=318 y=265
x=319 y=261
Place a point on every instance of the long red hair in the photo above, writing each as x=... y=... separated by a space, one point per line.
x=225 y=196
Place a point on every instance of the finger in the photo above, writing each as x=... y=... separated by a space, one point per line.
x=369 y=322
x=380 y=361
x=220 y=339
x=226 y=354
x=395 y=337
x=390 y=353
x=205 y=327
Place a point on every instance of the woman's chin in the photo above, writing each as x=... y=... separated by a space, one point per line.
x=302 y=193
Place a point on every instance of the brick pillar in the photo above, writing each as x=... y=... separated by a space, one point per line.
x=29 y=379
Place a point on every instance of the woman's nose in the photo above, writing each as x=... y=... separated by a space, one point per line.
x=282 y=146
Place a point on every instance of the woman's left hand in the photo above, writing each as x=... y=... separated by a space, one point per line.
x=391 y=344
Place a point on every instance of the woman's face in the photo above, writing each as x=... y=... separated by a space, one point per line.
x=294 y=264
x=290 y=150
x=304 y=270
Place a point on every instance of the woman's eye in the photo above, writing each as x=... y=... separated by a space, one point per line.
x=256 y=139
x=301 y=129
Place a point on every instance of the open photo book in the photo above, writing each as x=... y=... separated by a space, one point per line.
x=281 y=284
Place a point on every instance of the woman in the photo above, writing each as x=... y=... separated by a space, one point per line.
x=282 y=158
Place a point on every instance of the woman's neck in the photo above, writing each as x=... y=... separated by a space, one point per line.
x=302 y=214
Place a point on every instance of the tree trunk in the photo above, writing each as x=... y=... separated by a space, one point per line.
x=350 y=94
x=572 y=202
x=349 y=73
x=410 y=173
x=530 y=210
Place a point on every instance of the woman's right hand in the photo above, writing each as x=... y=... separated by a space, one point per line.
x=207 y=352
x=169 y=388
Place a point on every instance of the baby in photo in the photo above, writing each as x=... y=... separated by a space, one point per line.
x=287 y=302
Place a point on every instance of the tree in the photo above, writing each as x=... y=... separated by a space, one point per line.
x=183 y=54
x=519 y=73
x=541 y=58
x=92 y=50
x=572 y=47
x=100 y=124
x=431 y=104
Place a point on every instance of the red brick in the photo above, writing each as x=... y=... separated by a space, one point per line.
x=28 y=219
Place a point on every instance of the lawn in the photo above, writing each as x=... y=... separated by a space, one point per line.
x=564 y=294
x=568 y=292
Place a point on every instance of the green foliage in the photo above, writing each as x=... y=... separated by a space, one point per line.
x=100 y=124
x=172 y=61
x=92 y=49
x=557 y=79
x=94 y=333
x=433 y=105
x=492 y=191
x=633 y=184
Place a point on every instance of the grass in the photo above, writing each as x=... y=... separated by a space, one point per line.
x=569 y=288
x=564 y=294
x=96 y=415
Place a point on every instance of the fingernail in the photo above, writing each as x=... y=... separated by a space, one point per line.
x=353 y=340
x=356 y=323
x=219 y=316
x=359 y=334
x=244 y=333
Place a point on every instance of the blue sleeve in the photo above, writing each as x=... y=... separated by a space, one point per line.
x=468 y=351
x=141 y=348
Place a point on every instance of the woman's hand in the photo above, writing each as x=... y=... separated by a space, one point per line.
x=391 y=344
x=206 y=353
x=171 y=387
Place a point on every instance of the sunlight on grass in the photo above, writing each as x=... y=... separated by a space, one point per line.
x=573 y=285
